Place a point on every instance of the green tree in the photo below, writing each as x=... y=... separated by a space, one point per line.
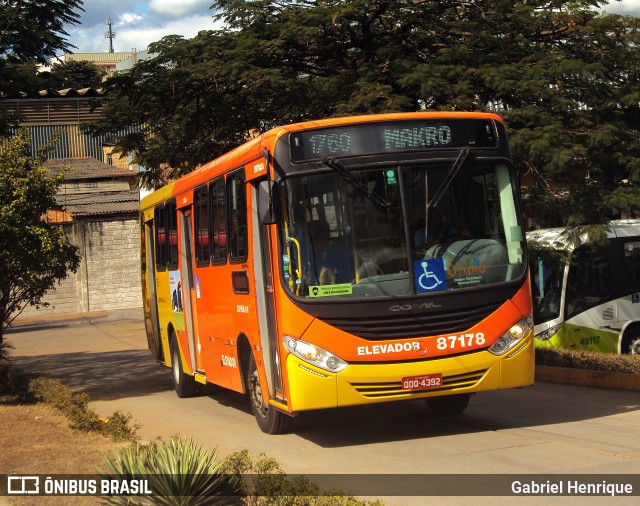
x=34 y=255
x=31 y=31
x=564 y=76
x=73 y=74
x=197 y=99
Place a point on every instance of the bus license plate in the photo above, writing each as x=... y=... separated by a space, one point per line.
x=424 y=382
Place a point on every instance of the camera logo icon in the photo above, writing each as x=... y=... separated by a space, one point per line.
x=23 y=485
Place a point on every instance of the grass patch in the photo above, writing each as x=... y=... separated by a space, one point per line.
x=76 y=408
x=589 y=360
x=19 y=386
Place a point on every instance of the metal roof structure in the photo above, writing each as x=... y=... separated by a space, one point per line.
x=86 y=168
x=93 y=188
x=97 y=204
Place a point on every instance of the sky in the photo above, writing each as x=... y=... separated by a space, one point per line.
x=138 y=23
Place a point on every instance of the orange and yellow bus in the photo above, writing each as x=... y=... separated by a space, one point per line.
x=344 y=262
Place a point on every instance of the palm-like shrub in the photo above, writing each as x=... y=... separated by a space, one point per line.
x=178 y=472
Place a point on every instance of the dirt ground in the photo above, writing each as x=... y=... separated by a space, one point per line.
x=36 y=439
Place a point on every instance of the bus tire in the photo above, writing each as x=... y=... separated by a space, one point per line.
x=632 y=346
x=448 y=404
x=270 y=420
x=184 y=384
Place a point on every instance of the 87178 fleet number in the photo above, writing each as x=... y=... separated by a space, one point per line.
x=460 y=342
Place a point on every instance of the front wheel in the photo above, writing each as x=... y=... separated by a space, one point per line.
x=184 y=384
x=269 y=419
x=633 y=346
x=448 y=404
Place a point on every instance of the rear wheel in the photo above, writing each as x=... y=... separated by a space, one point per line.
x=448 y=404
x=184 y=384
x=269 y=419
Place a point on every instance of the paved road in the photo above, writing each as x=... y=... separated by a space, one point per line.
x=545 y=429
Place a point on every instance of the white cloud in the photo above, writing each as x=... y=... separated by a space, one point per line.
x=130 y=18
x=137 y=30
x=139 y=37
x=179 y=8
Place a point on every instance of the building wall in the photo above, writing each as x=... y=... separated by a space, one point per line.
x=109 y=272
x=115 y=159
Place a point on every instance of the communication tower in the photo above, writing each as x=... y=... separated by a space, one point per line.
x=110 y=34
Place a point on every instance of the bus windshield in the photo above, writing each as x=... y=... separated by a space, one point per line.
x=400 y=230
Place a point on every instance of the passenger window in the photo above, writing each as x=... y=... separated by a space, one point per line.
x=632 y=265
x=589 y=282
x=160 y=221
x=218 y=197
x=201 y=202
x=172 y=228
x=237 y=201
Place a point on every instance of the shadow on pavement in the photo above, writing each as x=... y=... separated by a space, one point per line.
x=487 y=412
x=104 y=376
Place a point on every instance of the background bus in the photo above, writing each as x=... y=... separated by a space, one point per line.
x=343 y=262
x=588 y=298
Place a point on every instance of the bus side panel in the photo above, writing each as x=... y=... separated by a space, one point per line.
x=594 y=329
x=227 y=312
x=589 y=338
x=218 y=310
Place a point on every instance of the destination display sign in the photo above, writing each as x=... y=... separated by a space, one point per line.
x=391 y=137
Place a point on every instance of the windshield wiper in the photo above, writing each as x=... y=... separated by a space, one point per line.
x=453 y=172
x=348 y=176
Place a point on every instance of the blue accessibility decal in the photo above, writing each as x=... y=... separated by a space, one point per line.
x=429 y=275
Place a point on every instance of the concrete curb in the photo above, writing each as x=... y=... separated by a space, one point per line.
x=587 y=378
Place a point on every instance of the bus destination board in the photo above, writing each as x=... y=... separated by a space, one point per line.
x=391 y=137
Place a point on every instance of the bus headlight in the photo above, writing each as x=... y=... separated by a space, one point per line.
x=512 y=336
x=549 y=333
x=314 y=355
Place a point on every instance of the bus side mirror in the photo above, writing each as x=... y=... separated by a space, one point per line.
x=267 y=191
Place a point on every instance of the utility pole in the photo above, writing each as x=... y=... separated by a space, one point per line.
x=110 y=34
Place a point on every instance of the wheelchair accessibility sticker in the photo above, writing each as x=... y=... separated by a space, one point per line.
x=430 y=275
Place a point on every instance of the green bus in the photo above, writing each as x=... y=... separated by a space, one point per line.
x=588 y=298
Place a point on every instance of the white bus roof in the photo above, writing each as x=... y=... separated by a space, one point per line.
x=557 y=237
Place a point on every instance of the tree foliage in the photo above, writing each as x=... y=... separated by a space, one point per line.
x=34 y=29
x=34 y=255
x=564 y=76
x=73 y=74
x=31 y=32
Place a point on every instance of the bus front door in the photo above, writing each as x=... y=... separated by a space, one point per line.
x=152 y=322
x=264 y=279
